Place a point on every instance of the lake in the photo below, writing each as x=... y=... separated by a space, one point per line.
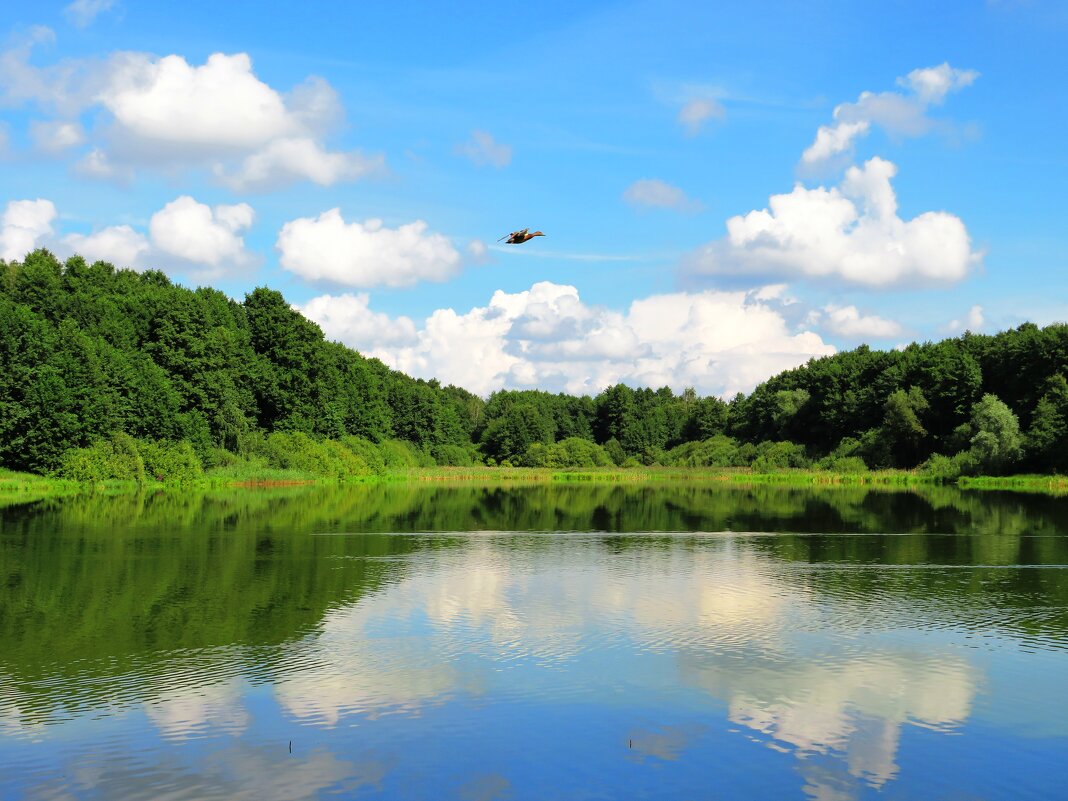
x=548 y=641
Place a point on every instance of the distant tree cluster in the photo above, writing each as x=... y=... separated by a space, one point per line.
x=105 y=366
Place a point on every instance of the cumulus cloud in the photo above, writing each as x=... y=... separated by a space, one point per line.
x=81 y=13
x=896 y=113
x=166 y=112
x=694 y=114
x=348 y=318
x=286 y=160
x=850 y=232
x=847 y=321
x=833 y=140
x=200 y=234
x=169 y=102
x=185 y=236
x=56 y=135
x=366 y=254
x=119 y=244
x=973 y=321
x=23 y=226
x=547 y=337
x=482 y=149
x=654 y=193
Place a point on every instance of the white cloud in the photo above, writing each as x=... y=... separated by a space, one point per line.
x=348 y=318
x=51 y=87
x=23 y=225
x=973 y=322
x=654 y=193
x=165 y=112
x=850 y=233
x=367 y=254
x=847 y=321
x=286 y=160
x=834 y=139
x=170 y=102
x=482 y=148
x=898 y=114
x=546 y=337
x=97 y=165
x=56 y=135
x=81 y=13
x=184 y=236
x=477 y=251
x=119 y=244
x=932 y=84
x=197 y=233
x=694 y=114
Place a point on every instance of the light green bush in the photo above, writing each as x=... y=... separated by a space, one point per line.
x=366 y=450
x=170 y=461
x=113 y=459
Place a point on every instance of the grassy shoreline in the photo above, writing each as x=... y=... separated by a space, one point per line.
x=32 y=485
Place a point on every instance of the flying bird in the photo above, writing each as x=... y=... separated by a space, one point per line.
x=519 y=237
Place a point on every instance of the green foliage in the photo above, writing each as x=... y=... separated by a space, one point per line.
x=941 y=468
x=717 y=451
x=87 y=350
x=844 y=464
x=511 y=435
x=1047 y=437
x=614 y=451
x=846 y=458
x=401 y=455
x=903 y=434
x=570 y=452
x=772 y=456
x=996 y=443
x=453 y=455
x=368 y=451
x=115 y=459
x=170 y=461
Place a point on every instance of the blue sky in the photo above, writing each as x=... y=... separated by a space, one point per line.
x=726 y=191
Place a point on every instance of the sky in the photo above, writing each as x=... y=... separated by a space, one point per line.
x=726 y=190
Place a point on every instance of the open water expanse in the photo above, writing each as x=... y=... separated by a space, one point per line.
x=563 y=641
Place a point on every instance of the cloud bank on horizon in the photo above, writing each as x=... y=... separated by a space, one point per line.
x=199 y=151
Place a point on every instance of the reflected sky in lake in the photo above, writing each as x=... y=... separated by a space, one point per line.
x=314 y=660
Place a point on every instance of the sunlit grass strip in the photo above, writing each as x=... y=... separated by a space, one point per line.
x=22 y=487
x=13 y=482
x=1024 y=483
x=734 y=475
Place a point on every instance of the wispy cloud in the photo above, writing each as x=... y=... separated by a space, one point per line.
x=562 y=256
x=81 y=13
x=483 y=149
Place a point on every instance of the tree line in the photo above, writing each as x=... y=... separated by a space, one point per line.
x=102 y=365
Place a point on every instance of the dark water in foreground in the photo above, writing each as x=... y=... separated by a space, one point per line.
x=546 y=642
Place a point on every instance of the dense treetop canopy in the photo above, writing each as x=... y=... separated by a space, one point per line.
x=88 y=351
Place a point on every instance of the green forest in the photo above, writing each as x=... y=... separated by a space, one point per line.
x=108 y=373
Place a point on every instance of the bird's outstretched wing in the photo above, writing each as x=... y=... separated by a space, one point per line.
x=515 y=235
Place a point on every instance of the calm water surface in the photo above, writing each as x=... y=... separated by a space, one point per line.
x=541 y=642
